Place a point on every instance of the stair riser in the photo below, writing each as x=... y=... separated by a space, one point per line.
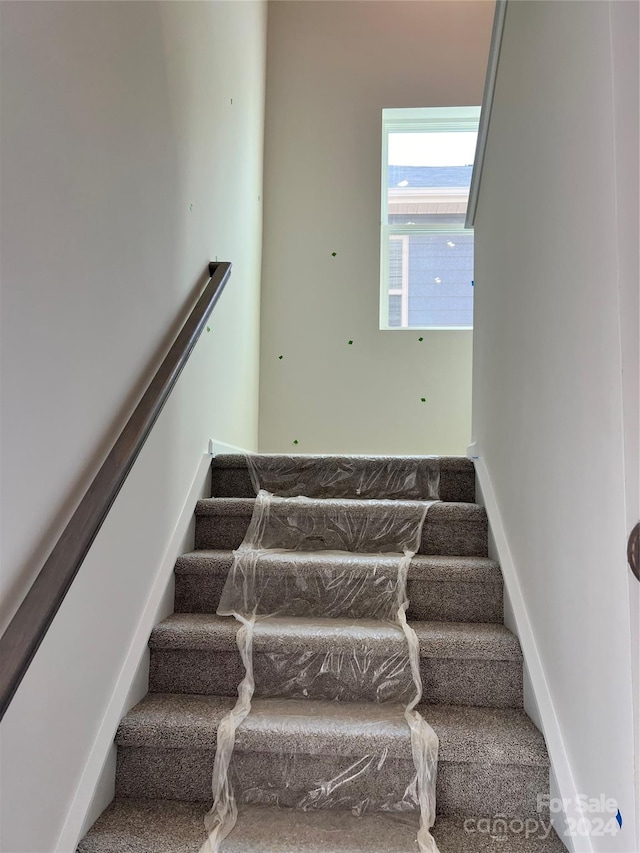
x=455 y=486
x=448 y=681
x=165 y=826
x=451 y=538
x=349 y=677
x=462 y=789
x=429 y=600
x=490 y=790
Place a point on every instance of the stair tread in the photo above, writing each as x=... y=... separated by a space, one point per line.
x=330 y=475
x=166 y=826
x=467 y=734
x=424 y=567
x=236 y=460
x=374 y=525
x=440 y=512
x=352 y=584
x=460 y=640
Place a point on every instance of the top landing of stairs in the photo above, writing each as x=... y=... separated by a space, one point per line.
x=231 y=479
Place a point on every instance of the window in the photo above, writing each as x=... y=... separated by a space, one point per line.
x=426 y=256
x=398 y=288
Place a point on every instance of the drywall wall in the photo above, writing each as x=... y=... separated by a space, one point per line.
x=331 y=68
x=547 y=382
x=131 y=155
x=625 y=25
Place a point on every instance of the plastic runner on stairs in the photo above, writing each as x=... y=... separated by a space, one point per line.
x=311 y=518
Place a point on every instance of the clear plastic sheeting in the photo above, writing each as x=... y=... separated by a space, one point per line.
x=403 y=477
x=295 y=583
x=319 y=587
x=335 y=536
x=347 y=662
x=370 y=778
x=312 y=524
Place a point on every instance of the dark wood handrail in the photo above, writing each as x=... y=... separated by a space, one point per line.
x=27 y=629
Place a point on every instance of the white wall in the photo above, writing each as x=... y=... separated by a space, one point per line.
x=131 y=156
x=331 y=68
x=547 y=383
x=626 y=76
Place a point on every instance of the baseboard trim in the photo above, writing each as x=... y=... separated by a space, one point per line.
x=561 y=767
x=217 y=448
x=85 y=807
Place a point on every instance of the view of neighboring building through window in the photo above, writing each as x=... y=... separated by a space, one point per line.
x=426 y=252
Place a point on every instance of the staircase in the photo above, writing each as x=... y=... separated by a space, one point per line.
x=492 y=760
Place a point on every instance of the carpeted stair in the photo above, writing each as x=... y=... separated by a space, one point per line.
x=492 y=760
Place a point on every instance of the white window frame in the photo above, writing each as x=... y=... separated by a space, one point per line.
x=419 y=120
x=403 y=290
